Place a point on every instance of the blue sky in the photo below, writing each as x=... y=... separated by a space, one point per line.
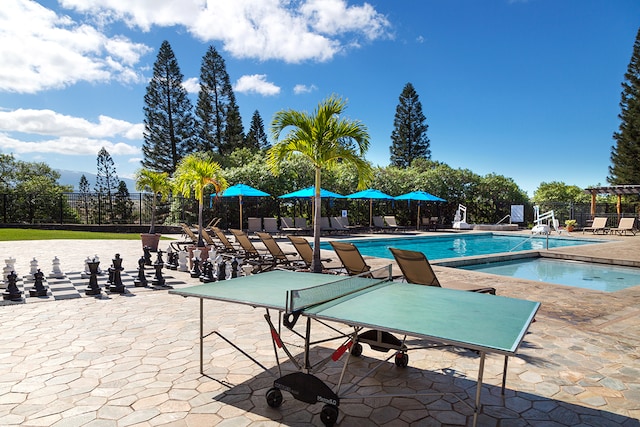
x=528 y=89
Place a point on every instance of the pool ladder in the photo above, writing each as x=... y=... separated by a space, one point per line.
x=525 y=241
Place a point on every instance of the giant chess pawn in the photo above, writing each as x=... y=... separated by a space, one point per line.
x=195 y=271
x=141 y=280
x=33 y=269
x=38 y=290
x=8 y=268
x=158 y=280
x=12 y=293
x=56 y=273
x=147 y=255
x=86 y=273
x=116 y=284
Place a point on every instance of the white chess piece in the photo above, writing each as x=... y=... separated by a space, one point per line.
x=55 y=269
x=182 y=260
x=33 y=269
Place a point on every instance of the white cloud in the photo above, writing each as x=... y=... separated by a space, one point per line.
x=192 y=85
x=259 y=29
x=300 y=89
x=67 y=145
x=42 y=50
x=256 y=83
x=50 y=123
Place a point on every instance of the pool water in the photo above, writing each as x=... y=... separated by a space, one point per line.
x=461 y=245
x=599 y=277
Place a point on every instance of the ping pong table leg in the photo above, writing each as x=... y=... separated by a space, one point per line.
x=476 y=410
x=201 y=336
x=504 y=374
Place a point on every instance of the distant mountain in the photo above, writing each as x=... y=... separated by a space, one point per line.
x=73 y=178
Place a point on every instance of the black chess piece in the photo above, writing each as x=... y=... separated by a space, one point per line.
x=222 y=274
x=12 y=293
x=207 y=272
x=195 y=271
x=158 y=280
x=141 y=280
x=159 y=259
x=172 y=260
x=234 y=268
x=38 y=290
x=116 y=283
x=93 y=289
x=147 y=255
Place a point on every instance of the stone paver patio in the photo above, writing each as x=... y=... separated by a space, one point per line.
x=134 y=360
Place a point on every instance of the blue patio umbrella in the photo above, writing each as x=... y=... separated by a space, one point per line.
x=370 y=194
x=421 y=196
x=242 y=190
x=309 y=192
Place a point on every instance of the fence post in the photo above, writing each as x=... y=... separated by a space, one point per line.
x=140 y=208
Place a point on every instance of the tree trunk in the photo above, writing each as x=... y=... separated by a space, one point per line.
x=317 y=212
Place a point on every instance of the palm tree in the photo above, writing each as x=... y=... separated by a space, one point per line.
x=325 y=139
x=156 y=183
x=194 y=172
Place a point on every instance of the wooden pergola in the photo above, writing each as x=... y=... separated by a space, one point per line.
x=618 y=190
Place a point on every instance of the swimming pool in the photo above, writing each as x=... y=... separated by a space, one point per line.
x=461 y=245
x=588 y=275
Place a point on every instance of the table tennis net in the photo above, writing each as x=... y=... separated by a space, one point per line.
x=299 y=299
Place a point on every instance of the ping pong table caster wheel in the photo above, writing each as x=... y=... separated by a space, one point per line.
x=274 y=397
x=356 y=350
x=329 y=415
x=402 y=360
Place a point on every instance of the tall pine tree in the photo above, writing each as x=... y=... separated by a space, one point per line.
x=168 y=122
x=409 y=136
x=218 y=122
x=106 y=180
x=256 y=138
x=625 y=154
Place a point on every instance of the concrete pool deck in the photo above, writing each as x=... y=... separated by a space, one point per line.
x=134 y=360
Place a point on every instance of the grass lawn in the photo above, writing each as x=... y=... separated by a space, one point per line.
x=8 y=234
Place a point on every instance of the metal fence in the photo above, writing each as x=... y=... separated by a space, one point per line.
x=136 y=209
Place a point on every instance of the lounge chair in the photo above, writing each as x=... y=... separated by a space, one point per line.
x=301 y=224
x=287 y=225
x=416 y=269
x=306 y=253
x=625 y=225
x=393 y=224
x=599 y=225
x=352 y=259
x=213 y=223
x=379 y=225
x=261 y=261
x=227 y=246
x=280 y=257
x=325 y=226
x=254 y=225
x=341 y=224
x=271 y=225
x=189 y=238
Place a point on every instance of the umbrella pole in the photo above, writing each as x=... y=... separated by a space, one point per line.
x=418 y=219
x=370 y=212
x=240 y=198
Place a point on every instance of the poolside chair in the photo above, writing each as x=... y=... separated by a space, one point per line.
x=280 y=257
x=189 y=238
x=352 y=259
x=254 y=224
x=378 y=224
x=341 y=224
x=325 y=226
x=416 y=269
x=218 y=245
x=393 y=224
x=213 y=223
x=306 y=253
x=260 y=261
x=227 y=246
x=287 y=225
x=270 y=225
x=599 y=225
x=625 y=225
x=301 y=224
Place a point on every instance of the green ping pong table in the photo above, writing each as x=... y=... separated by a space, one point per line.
x=480 y=322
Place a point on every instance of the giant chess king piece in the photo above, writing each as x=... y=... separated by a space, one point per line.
x=93 y=289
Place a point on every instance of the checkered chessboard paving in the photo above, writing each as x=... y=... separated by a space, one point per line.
x=74 y=284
